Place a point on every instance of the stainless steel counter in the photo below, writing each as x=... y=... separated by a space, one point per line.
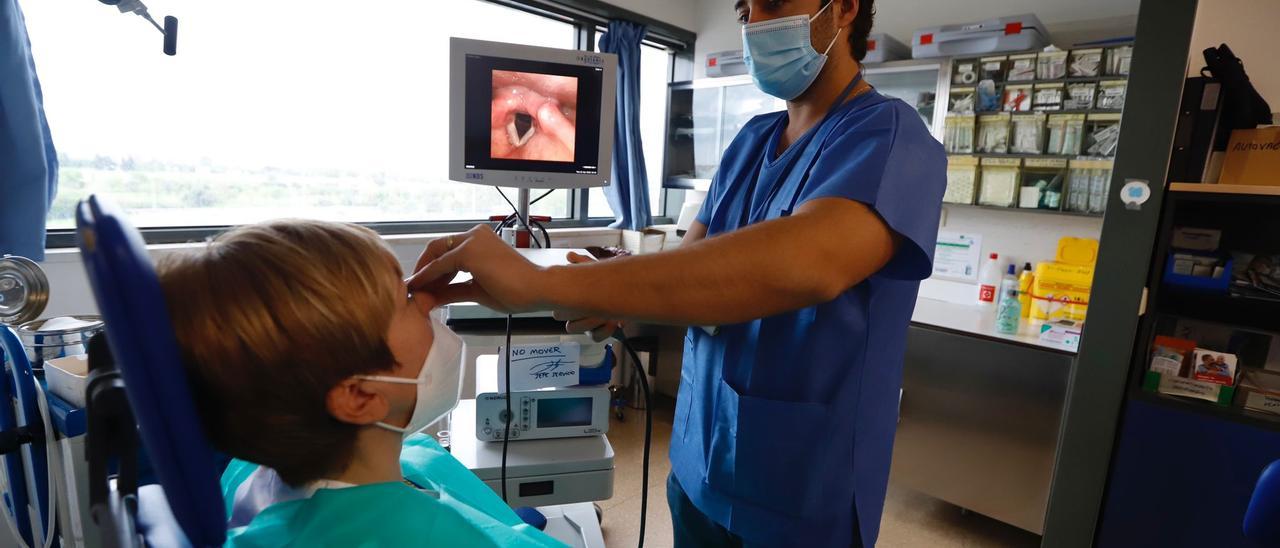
x=979 y=422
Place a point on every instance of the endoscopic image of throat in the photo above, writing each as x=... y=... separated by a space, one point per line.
x=533 y=116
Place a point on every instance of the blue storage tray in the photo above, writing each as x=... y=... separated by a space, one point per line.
x=1198 y=283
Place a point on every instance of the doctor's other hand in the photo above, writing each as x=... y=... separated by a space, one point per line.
x=599 y=328
x=501 y=278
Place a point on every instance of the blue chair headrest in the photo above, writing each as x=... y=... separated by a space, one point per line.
x=1262 y=519
x=145 y=349
x=533 y=517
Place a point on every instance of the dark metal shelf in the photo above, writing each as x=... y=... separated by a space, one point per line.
x=1254 y=194
x=1221 y=308
x=1031 y=156
x=1041 y=111
x=1232 y=414
x=1071 y=80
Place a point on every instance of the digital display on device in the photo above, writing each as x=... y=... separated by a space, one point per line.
x=528 y=115
x=555 y=413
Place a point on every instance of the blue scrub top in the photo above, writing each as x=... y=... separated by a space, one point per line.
x=784 y=425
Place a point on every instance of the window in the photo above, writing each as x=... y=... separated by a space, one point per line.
x=655 y=74
x=270 y=109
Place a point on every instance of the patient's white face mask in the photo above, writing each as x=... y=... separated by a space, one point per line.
x=439 y=382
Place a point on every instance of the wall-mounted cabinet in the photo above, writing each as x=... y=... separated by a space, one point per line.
x=705 y=115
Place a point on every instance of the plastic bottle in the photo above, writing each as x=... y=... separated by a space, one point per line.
x=1008 y=283
x=1009 y=315
x=1024 y=289
x=989 y=281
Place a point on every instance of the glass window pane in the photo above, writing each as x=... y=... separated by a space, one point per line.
x=655 y=74
x=915 y=87
x=741 y=104
x=344 y=118
x=598 y=205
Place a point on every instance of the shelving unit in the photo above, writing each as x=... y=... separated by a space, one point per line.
x=1247 y=216
x=1025 y=210
x=704 y=115
x=1225 y=309
x=1233 y=414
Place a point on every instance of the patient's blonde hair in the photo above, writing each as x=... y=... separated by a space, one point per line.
x=269 y=318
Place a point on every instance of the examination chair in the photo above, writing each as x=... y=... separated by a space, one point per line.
x=1262 y=519
x=138 y=398
x=22 y=448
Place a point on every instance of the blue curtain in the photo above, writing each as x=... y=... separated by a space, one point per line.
x=28 y=163
x=628 y=189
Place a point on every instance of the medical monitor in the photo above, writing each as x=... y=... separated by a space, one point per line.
x=530 y=117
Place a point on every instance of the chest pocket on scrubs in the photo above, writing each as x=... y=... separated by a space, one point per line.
x=765 y=452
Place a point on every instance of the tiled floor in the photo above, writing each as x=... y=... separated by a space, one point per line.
x=910 y=519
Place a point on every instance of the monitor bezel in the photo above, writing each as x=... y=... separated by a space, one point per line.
x=460 y=48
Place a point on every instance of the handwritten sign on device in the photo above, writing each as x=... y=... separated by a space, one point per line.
x=536 y=366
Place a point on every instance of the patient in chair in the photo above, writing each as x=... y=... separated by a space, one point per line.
x=313 y=365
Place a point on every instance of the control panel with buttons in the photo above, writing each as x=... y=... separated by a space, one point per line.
x=541 y=414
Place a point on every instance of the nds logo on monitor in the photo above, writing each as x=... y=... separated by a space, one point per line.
x=475 y=176
x=590 y=59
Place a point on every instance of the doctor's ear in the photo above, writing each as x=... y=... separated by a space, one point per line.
x=848 y=12
x=351 y=403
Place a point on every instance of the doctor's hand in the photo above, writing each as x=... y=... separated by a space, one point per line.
x=599 y=328
x=501 y=278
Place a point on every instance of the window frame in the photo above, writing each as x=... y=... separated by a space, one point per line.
x=585 y=16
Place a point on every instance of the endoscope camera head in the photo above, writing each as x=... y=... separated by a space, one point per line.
x=169 y=30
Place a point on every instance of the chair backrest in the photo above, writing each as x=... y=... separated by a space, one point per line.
x=145 y=349
x=25 y=470
x=1262 y=519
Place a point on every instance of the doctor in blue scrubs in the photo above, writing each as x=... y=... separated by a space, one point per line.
x=807 y=255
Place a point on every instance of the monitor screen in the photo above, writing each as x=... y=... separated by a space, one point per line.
x=530 y=117
x=559 y=412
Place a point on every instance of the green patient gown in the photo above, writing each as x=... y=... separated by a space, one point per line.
x=466 y=512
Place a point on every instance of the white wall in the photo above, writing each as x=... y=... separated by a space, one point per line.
x=680 y=13
x=1019 y=236
x=718 y=30
x=1069 y=21
x=1249 y=28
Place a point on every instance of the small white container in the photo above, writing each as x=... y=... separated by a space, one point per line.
x=883 y=48
x=1013 y=33
x=643 y=242
x=67 y=377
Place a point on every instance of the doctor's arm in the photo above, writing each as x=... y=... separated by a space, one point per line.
x=825 y=247
x=602 y=328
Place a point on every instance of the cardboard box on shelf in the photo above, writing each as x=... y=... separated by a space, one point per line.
x=1171 y=356
x=1064 y=332
x=1260 y=390
x=1214 y=367
x=1188 y=388
x=1253 y=158
x=1196 y=239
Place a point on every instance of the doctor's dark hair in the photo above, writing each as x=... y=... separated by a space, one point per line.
x=269 y=318
x=861 y=27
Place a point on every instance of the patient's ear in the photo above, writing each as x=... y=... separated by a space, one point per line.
x=351 y=403
x=425 y=302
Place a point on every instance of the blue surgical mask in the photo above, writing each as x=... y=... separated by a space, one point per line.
x=780 y=55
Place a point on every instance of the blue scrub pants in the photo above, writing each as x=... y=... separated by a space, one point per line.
x=692 y=528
